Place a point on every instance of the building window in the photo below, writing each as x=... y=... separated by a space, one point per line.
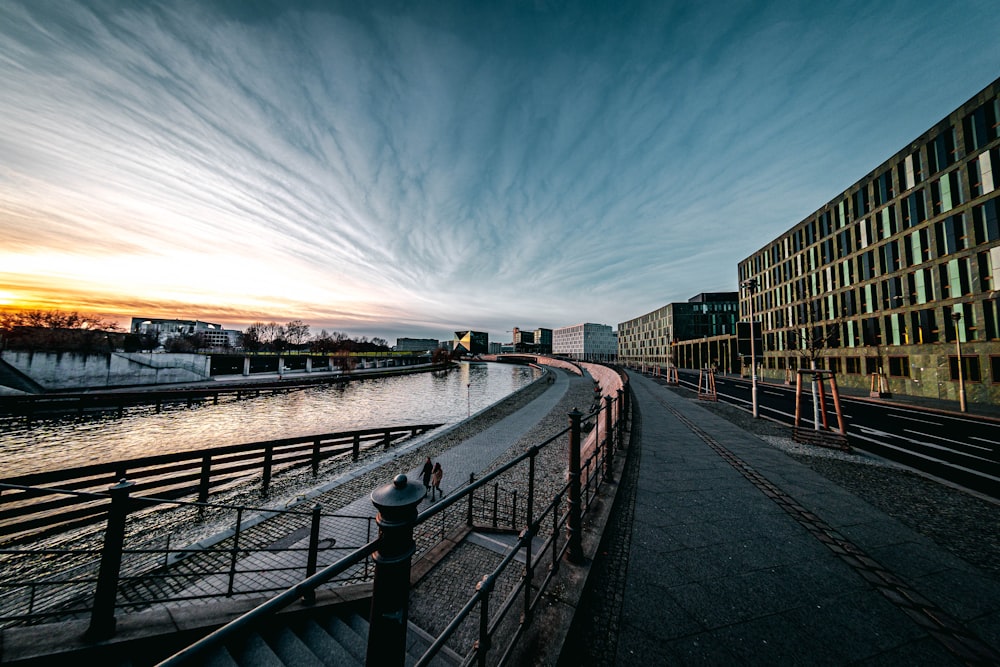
x=871 y=365
x=833 y=363
x=899 y=367
x=970 y=368
x=984 y=219
x=941 y=151
x=853 y=365
x=995 y=368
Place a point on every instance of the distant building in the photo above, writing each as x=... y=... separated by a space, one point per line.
x=538 y=341
x=417 y=344
x=471 y=342
x=648 y=339
x=496 y=348
x=212 y=335
x=585 y=342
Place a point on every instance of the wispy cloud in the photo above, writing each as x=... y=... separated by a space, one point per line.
x=433 y=168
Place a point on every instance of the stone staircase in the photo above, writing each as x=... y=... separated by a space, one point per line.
x=314 y=641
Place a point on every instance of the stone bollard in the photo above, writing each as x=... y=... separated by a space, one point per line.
x=397 y=514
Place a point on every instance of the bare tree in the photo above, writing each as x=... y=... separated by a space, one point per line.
x=296 y=332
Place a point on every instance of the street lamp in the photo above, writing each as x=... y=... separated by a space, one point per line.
x=751 y=285
x=955 y=315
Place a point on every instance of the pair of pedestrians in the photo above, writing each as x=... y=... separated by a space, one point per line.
x=432 y=475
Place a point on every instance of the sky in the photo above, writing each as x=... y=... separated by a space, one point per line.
x=412 y=169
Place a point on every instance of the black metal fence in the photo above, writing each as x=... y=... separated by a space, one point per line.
x=37 y=505
x=547 y=525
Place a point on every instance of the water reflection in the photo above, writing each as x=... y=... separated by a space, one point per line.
x=141 y=431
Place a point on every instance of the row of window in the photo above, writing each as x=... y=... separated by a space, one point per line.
x=917 y=327
x=818 y=270
x=899 y=366
x=946 y=189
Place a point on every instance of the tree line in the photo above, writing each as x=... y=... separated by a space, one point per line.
x=294 y=336
x=71 y=331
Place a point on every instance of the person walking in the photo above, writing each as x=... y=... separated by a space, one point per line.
x=425 y=475
x=436 y=480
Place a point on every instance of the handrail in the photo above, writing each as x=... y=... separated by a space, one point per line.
x=68 y=595
x=23 y=514
x=481 y=595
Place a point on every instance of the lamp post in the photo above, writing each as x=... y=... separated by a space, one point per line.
x=957 y=316
x=751 y=285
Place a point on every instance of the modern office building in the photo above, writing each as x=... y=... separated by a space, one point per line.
x=538 y=341
x=651 y=340
x=416 y=344
x=471 y=342
x=585 y=342
x=899 y=273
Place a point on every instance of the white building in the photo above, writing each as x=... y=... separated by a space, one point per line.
x=213 y=335
x=586 y=342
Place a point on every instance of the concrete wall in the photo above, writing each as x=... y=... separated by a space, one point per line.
x=72 y=370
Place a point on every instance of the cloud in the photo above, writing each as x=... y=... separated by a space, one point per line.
x=436 y=165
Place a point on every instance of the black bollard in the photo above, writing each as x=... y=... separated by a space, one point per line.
x=397 y=514
x=574 y=524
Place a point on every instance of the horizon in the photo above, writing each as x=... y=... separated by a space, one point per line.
x=419 y=170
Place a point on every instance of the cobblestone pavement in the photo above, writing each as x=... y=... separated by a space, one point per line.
x=438 y=597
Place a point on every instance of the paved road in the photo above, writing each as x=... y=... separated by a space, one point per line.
x=962 y=448
x=736 y=553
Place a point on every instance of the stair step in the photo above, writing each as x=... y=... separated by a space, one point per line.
x=345 y=634
x=220 y=657
x=256 y=652
x=292 y=650
x=326 y=647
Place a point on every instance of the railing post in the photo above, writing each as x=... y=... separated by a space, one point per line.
x=234 y=553
x=397 y=514
x=574 y=552
x=496 y=499
x=484 y=588
x=268 y=457
x=203 y=484
x=102 y=615
x=468 y=518
x=621 y=417
x=310 y=596
x=357 y=446
x=609 y=446
x=317 y=446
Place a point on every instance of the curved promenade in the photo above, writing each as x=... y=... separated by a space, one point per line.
x=726 y=550
x=720 y=549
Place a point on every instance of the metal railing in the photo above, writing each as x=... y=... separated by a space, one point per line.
x=36 y=505
x=497 y=629
x=129 y=571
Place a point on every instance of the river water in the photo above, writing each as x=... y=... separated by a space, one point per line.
x=420 y=398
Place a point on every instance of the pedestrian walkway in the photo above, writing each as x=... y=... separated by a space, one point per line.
x=475 y=454
x=349 y=526
x=741 y=554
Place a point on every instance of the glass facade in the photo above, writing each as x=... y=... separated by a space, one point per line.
x=878 y=271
